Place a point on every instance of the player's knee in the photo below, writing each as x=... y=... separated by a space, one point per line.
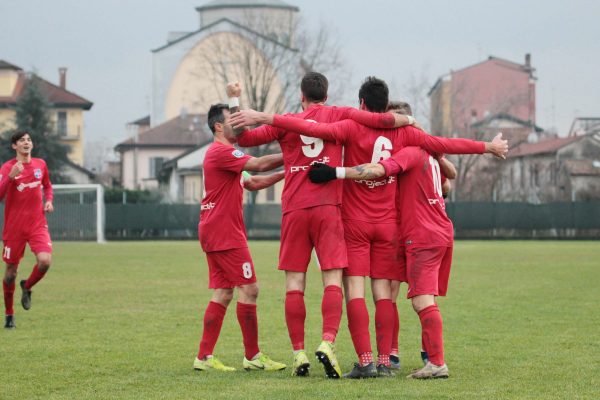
x=44 y=261
x=11 y=273
x=422 y=302
x=249 y=293
x=223 y=296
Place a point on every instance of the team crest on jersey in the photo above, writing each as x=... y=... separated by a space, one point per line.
x=37 y=173
x=238 y=153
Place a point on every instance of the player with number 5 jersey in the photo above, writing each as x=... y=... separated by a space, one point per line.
x=223 y=237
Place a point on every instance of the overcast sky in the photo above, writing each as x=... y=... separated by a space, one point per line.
x=106 y=46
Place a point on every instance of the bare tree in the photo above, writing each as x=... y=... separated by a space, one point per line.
x=269 y=61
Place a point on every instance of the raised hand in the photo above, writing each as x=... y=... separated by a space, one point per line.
x=16 y=170
x=234 y=89
x=498 y=146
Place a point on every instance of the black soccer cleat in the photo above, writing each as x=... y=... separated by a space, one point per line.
x=360 y=372
x=383 y=371
x=10 y=322
x=26 y=296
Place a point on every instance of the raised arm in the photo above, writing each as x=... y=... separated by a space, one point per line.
x=379 y=120
x=330 y=132
x=258 y=182
x=442 y=145
x=264 y=163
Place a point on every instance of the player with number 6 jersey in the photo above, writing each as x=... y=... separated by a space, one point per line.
x=223 y=237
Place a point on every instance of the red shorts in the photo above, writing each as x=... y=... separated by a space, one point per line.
x=39 y=242
x=319 y=227
x=401 y=257
x=372 y=249
x=230 y=268
x=428 y=270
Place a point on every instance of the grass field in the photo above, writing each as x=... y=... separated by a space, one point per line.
x=123 y=320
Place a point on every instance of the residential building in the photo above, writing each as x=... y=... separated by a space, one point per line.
x=66 y=108
x=559 y=169
x=143 y=155
x=481 y=91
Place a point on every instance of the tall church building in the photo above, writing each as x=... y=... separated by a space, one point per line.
x=245 y=40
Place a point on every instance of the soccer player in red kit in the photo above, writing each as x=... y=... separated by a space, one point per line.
x=448 y=171
x=426 y=232
x=311 y=218
x=368 y=212
x=222 y=236
x=24 y=182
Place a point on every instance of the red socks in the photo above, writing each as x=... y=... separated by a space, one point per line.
x=9 y=291
x=431 y=325
x=396 y=329
x=213 y=320
x=34 y=278
x=246 y=315
x=295 y=315
x=384 y=324
x=331 y=309
x=358 y=324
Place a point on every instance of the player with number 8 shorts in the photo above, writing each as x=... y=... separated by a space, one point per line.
x=222 y=235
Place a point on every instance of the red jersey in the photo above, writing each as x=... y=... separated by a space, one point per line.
x=421 y=207
x=299 y=152
x=221 y=224
x=374 y=200
x=24 y=206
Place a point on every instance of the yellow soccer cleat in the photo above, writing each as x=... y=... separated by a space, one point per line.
x=301 y=364
x=326 y=355
x=262 y=362
x=211 y=363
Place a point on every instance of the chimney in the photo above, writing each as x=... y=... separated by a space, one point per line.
x=528 y=60
x=62 y=74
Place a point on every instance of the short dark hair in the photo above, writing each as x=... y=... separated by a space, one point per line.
x=400 y=107
x=18 y=135
x=314 y=86
x=215 y=115
x=375 y=93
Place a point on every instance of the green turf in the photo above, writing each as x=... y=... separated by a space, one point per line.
x=123 y=320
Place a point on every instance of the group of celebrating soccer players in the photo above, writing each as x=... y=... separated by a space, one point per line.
x=363 y=187
x=366 y=176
